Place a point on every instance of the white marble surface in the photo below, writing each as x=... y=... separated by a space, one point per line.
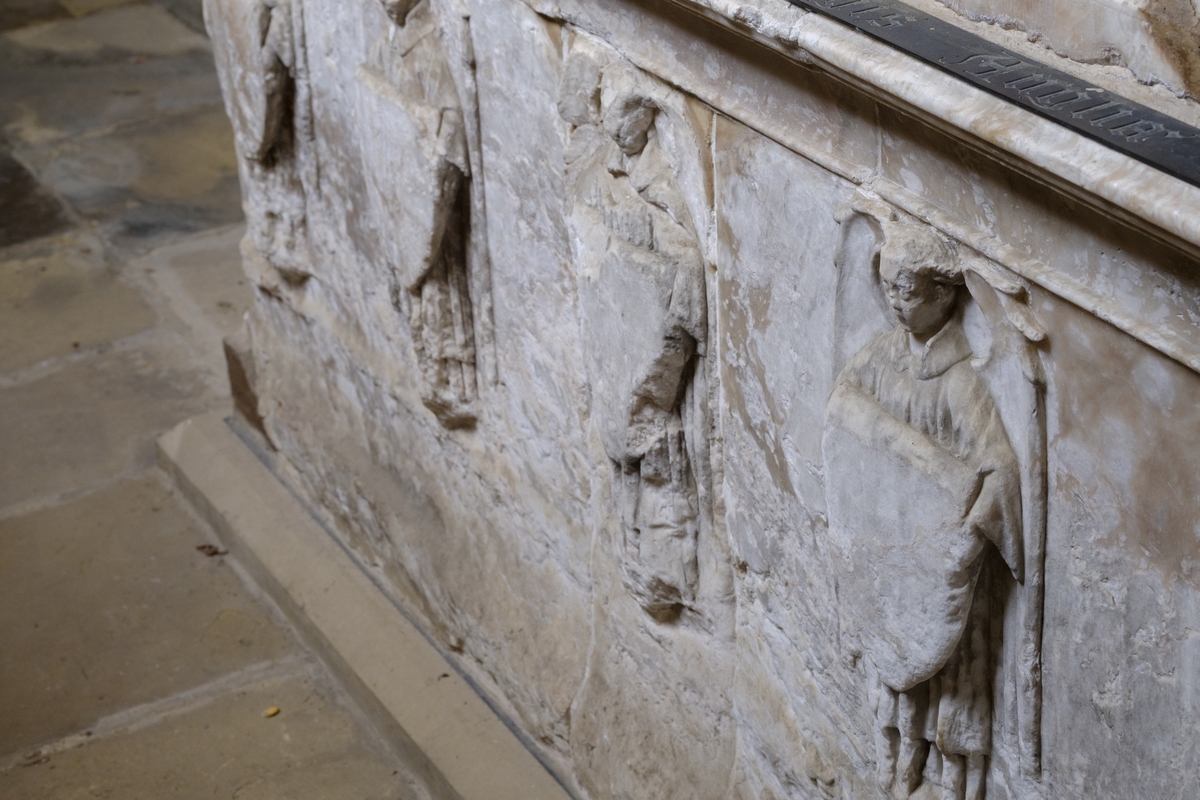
x=630 y=548
x=1102 y=178
x=1150 y=39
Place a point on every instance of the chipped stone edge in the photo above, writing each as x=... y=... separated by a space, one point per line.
x=1120 y=187
x=446 y=731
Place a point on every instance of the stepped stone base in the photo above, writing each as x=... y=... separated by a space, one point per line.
x=460 y=747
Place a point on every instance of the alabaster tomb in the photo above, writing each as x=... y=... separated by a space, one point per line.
x=750 y=408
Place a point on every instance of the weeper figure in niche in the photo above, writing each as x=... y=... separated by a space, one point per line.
x=925 y=503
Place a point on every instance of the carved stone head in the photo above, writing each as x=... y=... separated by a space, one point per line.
x=398 y=10
x=921 y=278
x=626 y=109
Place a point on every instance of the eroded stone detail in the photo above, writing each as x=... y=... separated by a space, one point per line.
x=641 y=296
x=636 y=459
x=259 y=47
x=419 y=199
x=927 y=512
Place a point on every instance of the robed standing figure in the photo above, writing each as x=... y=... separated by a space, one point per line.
x=924 y=505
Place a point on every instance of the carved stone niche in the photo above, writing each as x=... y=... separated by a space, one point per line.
x=935 y=454
x=634 y=174
x=417 y=126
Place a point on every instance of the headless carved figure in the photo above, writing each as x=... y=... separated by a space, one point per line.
x=428 y=230
x=642 y=298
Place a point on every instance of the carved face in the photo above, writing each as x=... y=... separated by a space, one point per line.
x=922 y=302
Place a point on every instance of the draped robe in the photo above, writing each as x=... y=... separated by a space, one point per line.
x=923 y=483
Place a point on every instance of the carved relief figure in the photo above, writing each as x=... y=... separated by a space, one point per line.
x=417 y=170
x=259 y=52
x=641 y=294
x=925 y=504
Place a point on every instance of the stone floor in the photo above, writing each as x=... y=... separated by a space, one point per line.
x=133 y=665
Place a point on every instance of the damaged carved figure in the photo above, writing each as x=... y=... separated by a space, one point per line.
x=420 y=199
x=641 y=278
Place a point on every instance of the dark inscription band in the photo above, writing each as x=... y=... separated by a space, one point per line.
x=1133 y=129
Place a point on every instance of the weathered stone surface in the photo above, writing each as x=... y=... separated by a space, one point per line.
x=311 y=751
x=1120 y=580
x=683 y=245
x=19 y=13
x=773 y=286
x=198 y=281
x=142 y=615
x=89 y=421
x=170 y=175
x=145 y=29
x=29 y=210
x=1155 y=40
x=47 y=100
x=61 y=299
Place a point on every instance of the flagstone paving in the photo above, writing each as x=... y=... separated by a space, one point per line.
x=30 y=210
x=137 y=662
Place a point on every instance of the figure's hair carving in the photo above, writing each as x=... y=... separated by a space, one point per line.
x=928 y=255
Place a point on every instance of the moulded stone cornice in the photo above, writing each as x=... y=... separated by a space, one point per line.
x=1127 y=190
x=1104 y=178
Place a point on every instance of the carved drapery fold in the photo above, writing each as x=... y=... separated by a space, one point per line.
x=946 y=434
x=640 y=271
x=422 y=195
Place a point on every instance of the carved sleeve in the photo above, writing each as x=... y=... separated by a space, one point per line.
x=983 y=442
